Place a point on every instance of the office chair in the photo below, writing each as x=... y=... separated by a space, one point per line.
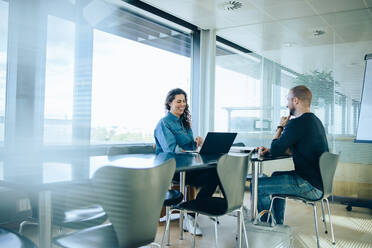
x=71 y=211
x=138 y=149
x=9 y=238
x=231 y=171
x=172 y=198
x=238 y=144
x=131 y=207
x=327 y=163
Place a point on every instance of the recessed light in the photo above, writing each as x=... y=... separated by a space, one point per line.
x=232 y=5
x=318 y=32
x=289 y=44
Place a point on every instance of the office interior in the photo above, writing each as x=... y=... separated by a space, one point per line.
x=81 y=76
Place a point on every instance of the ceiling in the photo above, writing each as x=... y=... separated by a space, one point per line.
x=283 y=31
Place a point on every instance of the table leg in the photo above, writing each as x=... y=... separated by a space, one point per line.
x=260 y=169
x=45 y=219
x=182 y=189
x=255 y=169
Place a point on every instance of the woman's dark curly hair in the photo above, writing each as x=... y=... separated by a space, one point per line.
x=186 y=116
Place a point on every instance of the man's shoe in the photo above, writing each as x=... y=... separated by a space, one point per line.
x=188 y=225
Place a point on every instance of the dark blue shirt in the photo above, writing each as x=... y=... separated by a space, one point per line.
x=305 y=137
x=171 y=136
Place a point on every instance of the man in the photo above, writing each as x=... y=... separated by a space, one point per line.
x=304 y=138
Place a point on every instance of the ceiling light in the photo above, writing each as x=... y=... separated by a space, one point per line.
x=232 y=5
x=289 y=44
x=318 y=32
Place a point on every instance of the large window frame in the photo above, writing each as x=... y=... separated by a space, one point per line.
x=81 y=137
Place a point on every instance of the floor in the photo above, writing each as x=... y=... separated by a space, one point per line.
x=352 y=229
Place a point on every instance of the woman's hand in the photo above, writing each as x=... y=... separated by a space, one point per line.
x=199 y=141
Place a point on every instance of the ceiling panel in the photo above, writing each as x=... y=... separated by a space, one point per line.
x=328 y=6
x=354 y=32
x=273 y=3
x=247 y=36
x=348 y=17
x=282 y=30
x=289 y=10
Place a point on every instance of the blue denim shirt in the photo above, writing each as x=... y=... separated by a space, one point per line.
x=170 y=135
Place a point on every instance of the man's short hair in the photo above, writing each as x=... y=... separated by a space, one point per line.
x=302 y=93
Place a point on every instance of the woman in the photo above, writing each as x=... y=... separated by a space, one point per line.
x=173 y=134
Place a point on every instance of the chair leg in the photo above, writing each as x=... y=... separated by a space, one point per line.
x=26 y=222
x=271 y=208
x=239 y=220
x=193 y=237
x=167 y=229
x=216 y=233
x=168 y=222
x=242 y=223
x=316 y=224
x=155 y=244
x=323 y=217
x=330 y=223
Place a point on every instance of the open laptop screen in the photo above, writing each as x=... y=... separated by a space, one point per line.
x=217 y=143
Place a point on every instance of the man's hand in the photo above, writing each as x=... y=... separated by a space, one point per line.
x=264 y=150
x=284 y=120
x=199 y=141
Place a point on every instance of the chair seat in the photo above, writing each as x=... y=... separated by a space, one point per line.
x=213 y=206
x=83 y=217
x=98 y=236
x=172 y=197
x=296 y=197
x=12 y=239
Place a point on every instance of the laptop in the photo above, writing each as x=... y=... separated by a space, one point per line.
x=217 y=143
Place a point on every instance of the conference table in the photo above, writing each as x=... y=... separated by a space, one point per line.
x=42 y=174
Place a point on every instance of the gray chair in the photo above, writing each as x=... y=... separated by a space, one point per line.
x=73 y=208
x=238 y=144
x=137 y=149
x=231 y=171
x=327 y=163
x=11 y=239
x=132 y=200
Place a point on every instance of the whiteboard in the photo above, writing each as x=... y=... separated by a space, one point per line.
x=364 y=130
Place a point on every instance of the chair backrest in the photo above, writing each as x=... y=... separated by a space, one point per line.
x=132 y=200
x=232 y=171
x=137 y=149
x=327 y=164
x=238 y=144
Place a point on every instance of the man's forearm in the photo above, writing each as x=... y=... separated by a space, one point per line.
x=278 y=133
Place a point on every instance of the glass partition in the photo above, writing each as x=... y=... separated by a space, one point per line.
x=3 y=63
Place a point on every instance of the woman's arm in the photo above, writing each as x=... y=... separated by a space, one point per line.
x=165 y=137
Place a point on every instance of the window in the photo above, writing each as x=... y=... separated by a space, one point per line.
x=59 y=81
x=134 y=66
x=3 y=62
x=107 y=74
x=237 y=91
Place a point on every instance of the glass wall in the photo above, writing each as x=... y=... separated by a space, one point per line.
x=88 y=72
x=130 y=82
x=59 y=81
x=238 y=110
x=251 y=96
x=3 y=62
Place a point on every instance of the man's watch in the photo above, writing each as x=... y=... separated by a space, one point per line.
x=278 y=127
